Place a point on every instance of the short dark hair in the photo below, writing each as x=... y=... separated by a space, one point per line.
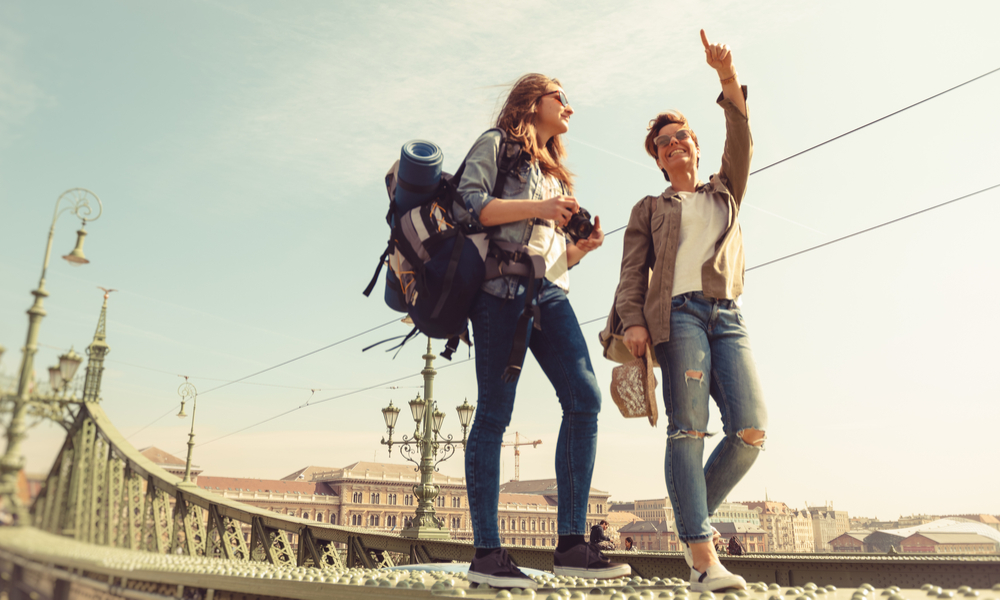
x=603 y=522
x=659 y=122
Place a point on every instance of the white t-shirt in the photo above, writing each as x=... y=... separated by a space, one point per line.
x=702 y=223
x=550 y=243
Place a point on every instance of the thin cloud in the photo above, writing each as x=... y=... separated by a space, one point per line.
x=343 y=91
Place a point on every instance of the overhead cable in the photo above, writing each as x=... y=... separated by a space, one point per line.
x=281 y=364
x=797 y=154
x=338 y=396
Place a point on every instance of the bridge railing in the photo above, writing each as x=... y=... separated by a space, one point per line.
x=101 y=490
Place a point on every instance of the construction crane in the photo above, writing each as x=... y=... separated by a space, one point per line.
x=517 y=443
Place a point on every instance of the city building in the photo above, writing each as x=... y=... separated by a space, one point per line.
x=735 y=512
x=989 y=520
x=621 y=507
x=380 y=496
x=752 y=537
x=657 y=509
x=776 y=520
x=827 y=524
x=870 y=524
x=852 y=541
x=168 y=462
x=892 y=539
x=651 y=536
x=949 y=543
x=545 y=490
x=915 y=520
x=802 y=532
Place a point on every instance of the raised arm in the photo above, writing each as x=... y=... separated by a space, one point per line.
x=720 y=58
x=739 y=144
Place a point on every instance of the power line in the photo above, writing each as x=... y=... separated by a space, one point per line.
x=873 y=228
x=797 y=154
x=872 y=122
x=833 y=139
x=582 y=323
x=291 y=360
x=850 y=235
x=200 y=378
x=281 y=364
x=377 y=385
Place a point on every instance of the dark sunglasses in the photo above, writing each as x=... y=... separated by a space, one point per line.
x=561 y=97
x=680 y=135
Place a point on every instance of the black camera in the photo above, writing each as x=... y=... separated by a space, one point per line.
x=579 y=226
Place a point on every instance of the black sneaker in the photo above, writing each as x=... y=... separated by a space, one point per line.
x=586 y=560
x=496 y=569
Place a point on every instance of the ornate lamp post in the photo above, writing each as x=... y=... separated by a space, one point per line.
x=61 y=374
x=188 y=391
x=432 y=448
x=82 y=203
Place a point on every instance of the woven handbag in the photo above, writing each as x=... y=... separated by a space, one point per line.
x=633 y=388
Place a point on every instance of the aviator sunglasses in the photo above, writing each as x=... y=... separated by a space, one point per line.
x=664 y=140
x=561 y=97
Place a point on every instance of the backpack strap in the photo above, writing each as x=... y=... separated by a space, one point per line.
x=381 y=263
x=520 y=346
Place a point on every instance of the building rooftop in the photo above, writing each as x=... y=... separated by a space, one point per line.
x=161 y=458
x=375 y=470
x=727 y=529
x=305 y=474
x=858 y=534
x=540 y=486
x=272 y=486
x=645 y=527
x=946 y=526
x=956 y=538
x=619 y=517
x=527 y=499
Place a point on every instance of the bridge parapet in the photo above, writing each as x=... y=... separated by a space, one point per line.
x=102 y=492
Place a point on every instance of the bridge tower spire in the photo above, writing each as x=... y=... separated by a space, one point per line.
x=96 y=352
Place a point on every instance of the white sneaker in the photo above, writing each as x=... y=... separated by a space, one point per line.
x=687 y=548
x=715 y=578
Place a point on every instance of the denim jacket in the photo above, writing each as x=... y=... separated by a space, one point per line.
x=475 y=188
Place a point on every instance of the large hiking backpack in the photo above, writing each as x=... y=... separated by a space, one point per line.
x=438 y=257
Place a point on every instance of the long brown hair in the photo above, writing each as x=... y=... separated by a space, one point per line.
x=517 y=118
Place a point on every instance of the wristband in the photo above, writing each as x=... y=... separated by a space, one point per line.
x=729 y=79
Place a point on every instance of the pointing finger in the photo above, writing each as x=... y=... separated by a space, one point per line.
x=704 y=38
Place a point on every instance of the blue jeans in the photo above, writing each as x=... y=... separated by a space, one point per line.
x=708 y=351
x=561 y=351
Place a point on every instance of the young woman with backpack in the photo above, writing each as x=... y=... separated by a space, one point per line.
x=535 y=205
x=681 y=273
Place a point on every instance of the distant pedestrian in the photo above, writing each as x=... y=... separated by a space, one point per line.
x=599 y=538
x=736 y=547
x=629 y=545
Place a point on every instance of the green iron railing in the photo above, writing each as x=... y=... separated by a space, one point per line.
x=102 y=491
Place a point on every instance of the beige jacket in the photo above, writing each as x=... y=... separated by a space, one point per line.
x=651 y=240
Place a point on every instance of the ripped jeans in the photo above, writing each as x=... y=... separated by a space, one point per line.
x=708 y=352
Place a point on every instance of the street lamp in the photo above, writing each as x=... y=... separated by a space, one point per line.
x=61 y=374
x=83 y=204
x=426 y=449
x=188 y=391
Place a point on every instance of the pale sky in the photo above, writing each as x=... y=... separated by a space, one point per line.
x=239 y=149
